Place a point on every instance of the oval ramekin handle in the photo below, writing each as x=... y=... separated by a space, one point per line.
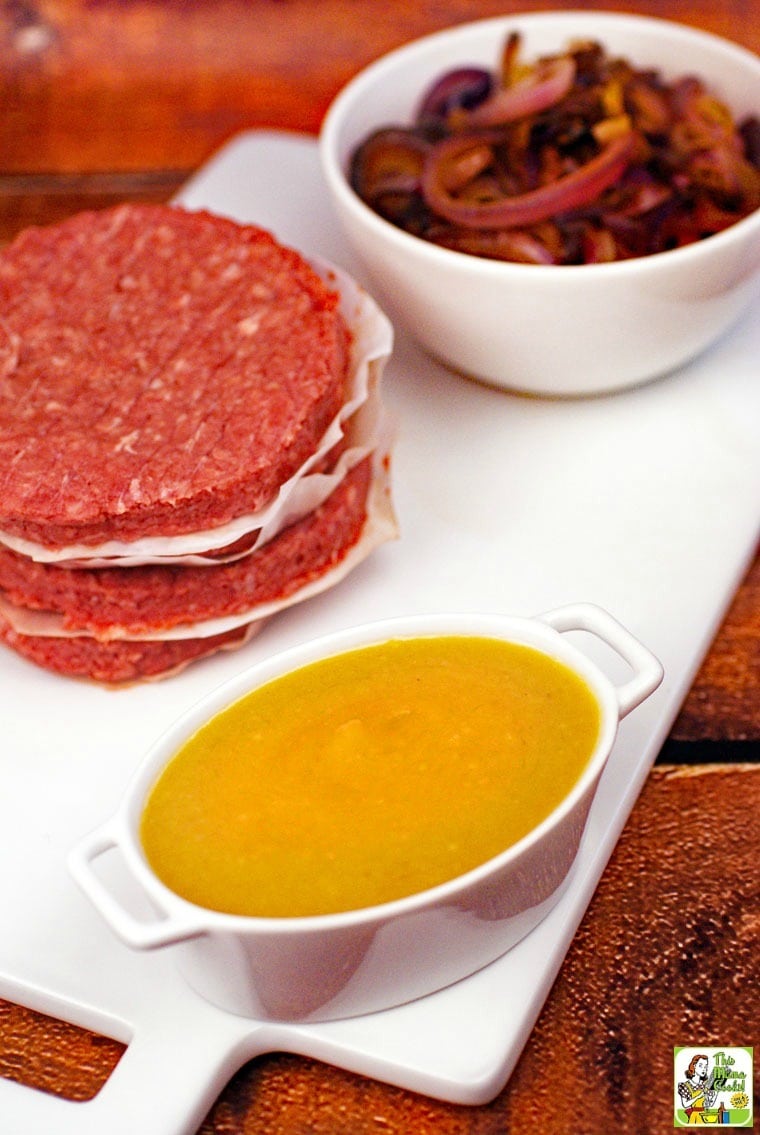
x=167 y=928
x=648 y=671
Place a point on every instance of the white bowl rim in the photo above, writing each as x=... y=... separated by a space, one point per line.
x=407 y=242
x=124 y=824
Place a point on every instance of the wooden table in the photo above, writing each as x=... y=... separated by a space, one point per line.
x=123 y=100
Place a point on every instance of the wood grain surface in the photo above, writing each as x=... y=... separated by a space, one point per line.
x=174 y=79
x=109 y=100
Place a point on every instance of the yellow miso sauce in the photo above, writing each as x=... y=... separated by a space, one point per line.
x=369 y=776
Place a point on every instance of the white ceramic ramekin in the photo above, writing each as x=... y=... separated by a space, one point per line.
x=546 y=329
x=339 y=965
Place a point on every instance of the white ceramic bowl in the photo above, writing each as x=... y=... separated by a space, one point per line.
x=550 y=330
x=323 y=967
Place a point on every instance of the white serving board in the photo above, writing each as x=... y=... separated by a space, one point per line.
x=645 y=502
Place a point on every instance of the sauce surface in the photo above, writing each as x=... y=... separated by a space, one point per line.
x=369 y=776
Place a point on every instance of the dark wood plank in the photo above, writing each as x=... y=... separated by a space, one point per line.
x=136 y=84
x=724 y=701
x=54 y=1056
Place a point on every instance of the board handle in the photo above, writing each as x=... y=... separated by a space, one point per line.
x=167 y=927
x=648 y=671
x=173 y=1069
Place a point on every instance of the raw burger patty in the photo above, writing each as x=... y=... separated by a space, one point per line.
x=152 y=598
x=161 y=372
x=116 y=662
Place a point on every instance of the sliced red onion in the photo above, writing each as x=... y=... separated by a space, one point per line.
x=500 y=244
x=466 y=166
x=578 y=188
x=640 y=193
x=544 y=87
x=390 y=160
x=598 y=246
x=463 y=88
x=749 y=132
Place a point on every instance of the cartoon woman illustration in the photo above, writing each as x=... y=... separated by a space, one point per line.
x=695 y=1093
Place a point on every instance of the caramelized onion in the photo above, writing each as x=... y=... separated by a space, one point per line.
x=496 y=244
x=579 y=187
x=538 y=91
x=390 y=161
x=462 y=89
x=494 y=163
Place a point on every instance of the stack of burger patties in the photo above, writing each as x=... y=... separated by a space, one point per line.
x=191 y=437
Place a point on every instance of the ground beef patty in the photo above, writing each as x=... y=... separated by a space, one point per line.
x=161 y=372
x=114 y=602
x=117 y=662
